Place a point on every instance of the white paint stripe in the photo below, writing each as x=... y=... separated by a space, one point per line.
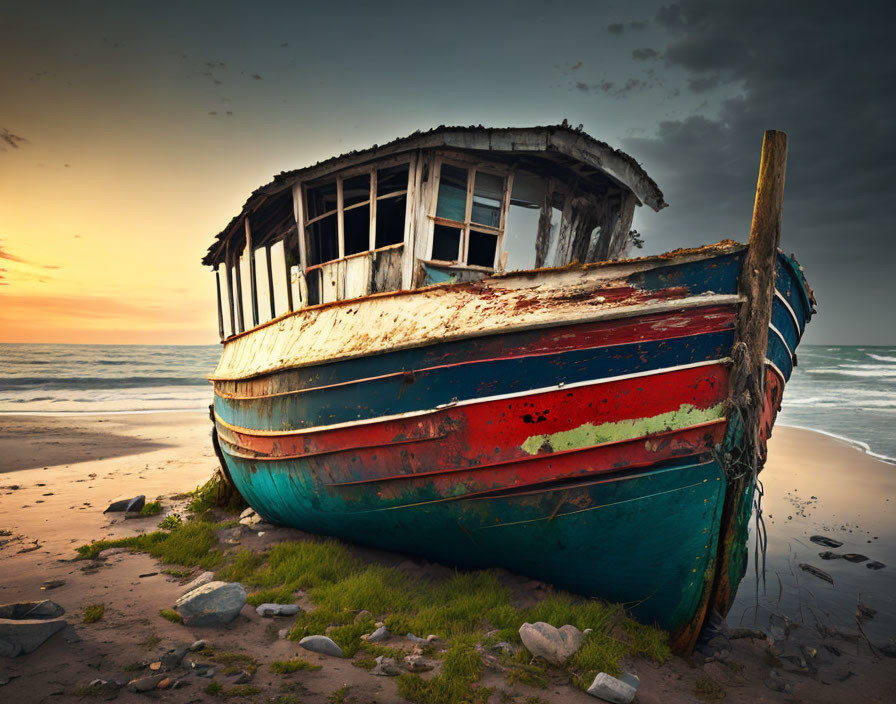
x=796 y=321
x=776 y=370
x=781 y=337
x=470 y=402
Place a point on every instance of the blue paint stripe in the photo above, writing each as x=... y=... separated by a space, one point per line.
x=785 y=324
x=717 y=274
x=374 y=398
x=778 y=354
x=791 y=287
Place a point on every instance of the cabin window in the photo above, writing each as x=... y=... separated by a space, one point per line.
x=468 y=217
x=340 y=216
x=526 y=202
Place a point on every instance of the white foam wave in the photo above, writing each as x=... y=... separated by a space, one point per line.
x=863 y=446
x=881 y=357
x=876 y=371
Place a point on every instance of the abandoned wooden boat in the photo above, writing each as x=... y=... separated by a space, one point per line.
x=401 y=369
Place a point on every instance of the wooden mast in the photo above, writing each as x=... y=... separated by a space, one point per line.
x=747 y=393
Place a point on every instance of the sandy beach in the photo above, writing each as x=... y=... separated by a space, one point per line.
x=57 y=474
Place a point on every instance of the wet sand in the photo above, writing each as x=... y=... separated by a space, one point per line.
x=57 y=505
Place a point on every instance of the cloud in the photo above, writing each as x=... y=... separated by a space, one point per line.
x=645 y=54
x=8 y=139
x=10 y=257
x=820 y=76
x=638 y=26
x=617 y=28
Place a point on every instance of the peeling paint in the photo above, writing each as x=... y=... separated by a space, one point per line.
x=588 y=434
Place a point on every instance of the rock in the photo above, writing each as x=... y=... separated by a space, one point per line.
x=212 y=604
x=415 y=639
x=146 y=684
x=363 y=615
x=210 y=672
x=19 y=636
x=505 y=647
x=612 y=690
x=173 y=657
x=826 y=542
x=202 y=579
x=551 y=644
x=815 y=572
x=241 y=678
x=854 y=557
x=631 y=679
x=52 y=584
x=166 y=683
x=197 y=645
x=32 y=609
x=250 y=518
x=776 y=683
x=380 y=634
x=155 y=666
x=283 y=633
x=277 y=609
x=134 y=504
x=322 y=645
x=875 y=565
x=386 y=667
x=416 y=663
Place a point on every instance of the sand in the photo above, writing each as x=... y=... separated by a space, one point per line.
x=57 y=474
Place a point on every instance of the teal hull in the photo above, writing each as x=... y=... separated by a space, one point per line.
x=645 y=538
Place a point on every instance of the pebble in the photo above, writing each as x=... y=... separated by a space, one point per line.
x=277 y=609
x=385 y=667
x=197 y=645
x=145 y=684
x=555 y=645
x=416 y=663
x=322 y=645
x=612 y=690
x=380 y=634
x=166 y=683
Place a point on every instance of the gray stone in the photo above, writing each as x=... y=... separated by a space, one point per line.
x=173 y=657
x=505 y=647
x=416 y=663
x=32 y=610
x=415 y=639
x=250 y=518
x=282 y=633
x=277 y=609
x=386 y=667
x=322 y=645
x=776 y=683
x=555 y=645
x=145 y=684
x=242 y=678
x=612 y=690
x=212 y=604
x=19 y=636
x=380 y=634
x=202 y=579
x=630 y=679
x=197 y=645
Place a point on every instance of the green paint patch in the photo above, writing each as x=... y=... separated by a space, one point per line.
x=588 y=434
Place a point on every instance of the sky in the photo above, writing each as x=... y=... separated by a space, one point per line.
x=131 y=132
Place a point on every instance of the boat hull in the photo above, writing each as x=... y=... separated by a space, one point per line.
x=572 y=427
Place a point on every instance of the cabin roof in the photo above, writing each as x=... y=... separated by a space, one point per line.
x=561 y=143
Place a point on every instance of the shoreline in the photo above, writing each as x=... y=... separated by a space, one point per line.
x=57 y=506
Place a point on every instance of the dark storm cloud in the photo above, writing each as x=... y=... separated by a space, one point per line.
x=820 y=74
x=617 y=28
x=645 y=54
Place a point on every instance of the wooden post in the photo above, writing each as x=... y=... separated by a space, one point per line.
x=228 y=269
x=267 y=257
x=747 y=386
x=253 y=288
x=220 y=309
x=240 y=318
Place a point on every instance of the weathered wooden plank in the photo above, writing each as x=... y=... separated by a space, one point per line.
x=543 y=239
x=253 y=285
x=218 y=298
x=267 y=256
x=228 y=267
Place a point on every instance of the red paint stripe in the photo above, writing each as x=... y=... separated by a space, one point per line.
x=485 y=434
x=647 y=328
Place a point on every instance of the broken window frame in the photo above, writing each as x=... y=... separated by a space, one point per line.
x=340 y=210
x=472 y=166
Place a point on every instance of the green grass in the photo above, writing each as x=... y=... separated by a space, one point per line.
x=230 y=659
x=457 y=682
x=279 y=595
x=365 y=663
x=340 y=695
x=188 y=544
x=284 y=667
x=171 y=521
x=153 y=508
x=214 y=688
x=241 y=690
x=709 y=690
x=287 y=699
x=179 y=574
x=171 y=615
x=93 y=613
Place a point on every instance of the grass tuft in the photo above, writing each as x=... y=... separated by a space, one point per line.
x=284 y=667
x=171 y=521
x=153 y=508
x=457 y=682
x=93 y=613
x=228 y=659
x=171 y=615
x=187 y=544
x=340 y=695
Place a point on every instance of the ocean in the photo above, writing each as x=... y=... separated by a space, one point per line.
x=846 y=391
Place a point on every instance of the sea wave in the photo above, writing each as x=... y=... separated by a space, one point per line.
x=881 y=357
x=878 y=371
x=96 y=382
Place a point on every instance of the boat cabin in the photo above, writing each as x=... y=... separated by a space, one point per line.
x=449 y=205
